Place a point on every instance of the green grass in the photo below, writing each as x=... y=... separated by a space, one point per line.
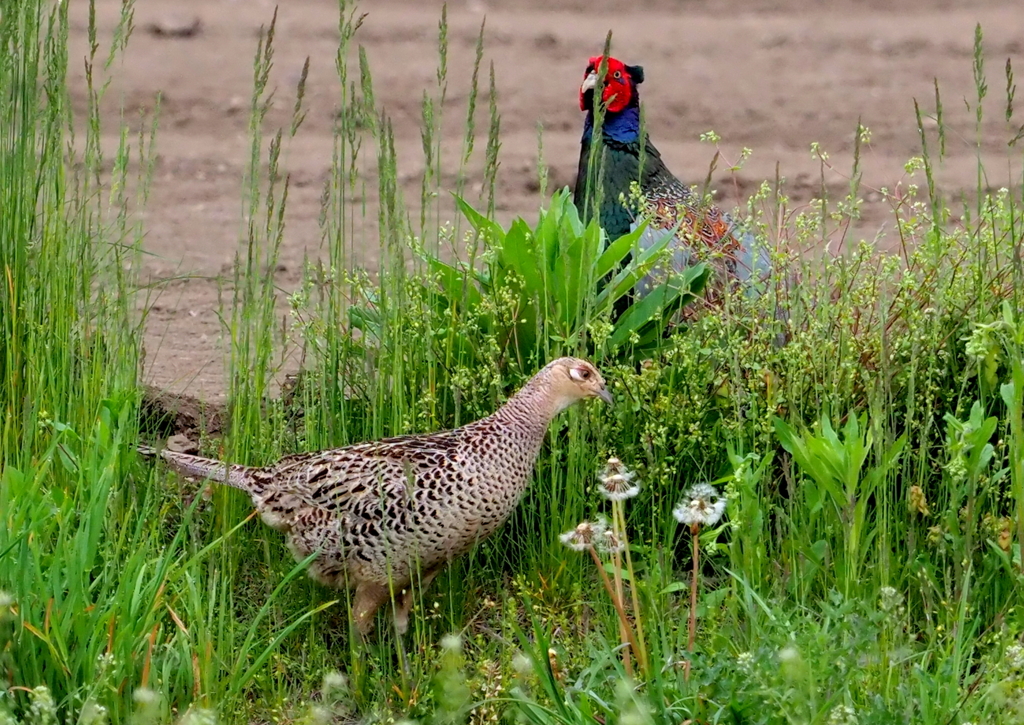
x=869 y=566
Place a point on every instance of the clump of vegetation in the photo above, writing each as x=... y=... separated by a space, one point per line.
x=862 y=420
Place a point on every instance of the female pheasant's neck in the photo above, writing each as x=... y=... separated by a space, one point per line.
x=623 y=126
x=531 y=409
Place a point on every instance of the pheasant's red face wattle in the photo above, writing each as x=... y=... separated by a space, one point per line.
x=617 y=90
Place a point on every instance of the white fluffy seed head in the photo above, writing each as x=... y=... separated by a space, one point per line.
x=702 y=506
x=617 y=482
x=585 y=535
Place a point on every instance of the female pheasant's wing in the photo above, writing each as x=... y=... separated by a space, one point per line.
x=377 y=474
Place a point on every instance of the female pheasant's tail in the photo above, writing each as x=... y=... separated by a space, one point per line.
x=234 y=475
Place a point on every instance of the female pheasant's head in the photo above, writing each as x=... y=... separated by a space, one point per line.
x=618 y=90
x=569 y=379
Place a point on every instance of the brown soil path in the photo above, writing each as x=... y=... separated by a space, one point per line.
x=771 y=76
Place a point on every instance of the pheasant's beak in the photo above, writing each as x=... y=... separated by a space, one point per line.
x=590 y=82
x=604 y=395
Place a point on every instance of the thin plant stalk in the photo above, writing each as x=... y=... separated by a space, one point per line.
x=624 y=628
x=619 y=596
x=619 y=523
x=691 y=635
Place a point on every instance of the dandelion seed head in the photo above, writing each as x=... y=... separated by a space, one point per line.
x=522 y=664
x=319 y=715
x=335 y=684
x=609 y=542
x=701 y=506
x=789 y=654
x=451 y=643
x=584 y=535
x=617 y=482
x=145 y=697
x=199 y=716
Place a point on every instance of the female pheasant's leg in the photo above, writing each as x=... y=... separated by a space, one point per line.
x=403 y=604
x=365 y=603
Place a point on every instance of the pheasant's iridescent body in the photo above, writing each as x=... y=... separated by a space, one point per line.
x=705 y=233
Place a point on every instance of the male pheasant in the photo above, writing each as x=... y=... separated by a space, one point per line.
x=378 y=513
x=705 y=232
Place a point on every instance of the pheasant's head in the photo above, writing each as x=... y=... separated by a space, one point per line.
x=569 y=379
x=618 y=89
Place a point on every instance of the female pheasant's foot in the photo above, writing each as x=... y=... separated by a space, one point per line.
x=403 y=603
x=367 y=600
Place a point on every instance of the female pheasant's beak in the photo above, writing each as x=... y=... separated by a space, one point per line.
x=604 y=395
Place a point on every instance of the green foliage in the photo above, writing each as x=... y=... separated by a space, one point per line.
x=837 y=492
x=559 y=282
x=869 y=569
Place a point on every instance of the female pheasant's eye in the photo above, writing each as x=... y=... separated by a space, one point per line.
x=585 y=374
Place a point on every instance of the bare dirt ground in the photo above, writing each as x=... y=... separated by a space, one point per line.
x=771 y=76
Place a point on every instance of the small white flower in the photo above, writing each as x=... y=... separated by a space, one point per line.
x=744 y=660
x=6 y=600
x=842 y=715
x=584 y=535
x=702 y=506
x=617 y=482
x=42 y=709
x=93 y=714
x=889 y=599
x=1015 y=657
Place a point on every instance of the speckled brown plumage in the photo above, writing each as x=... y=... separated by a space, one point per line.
x=379 y=512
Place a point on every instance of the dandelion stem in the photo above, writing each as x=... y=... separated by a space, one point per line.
x=692 y=634
x=617 y=561
x=619 y=520
x=625 y=629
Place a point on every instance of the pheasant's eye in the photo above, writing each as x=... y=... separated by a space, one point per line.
x=585 y=374
x=617 y=75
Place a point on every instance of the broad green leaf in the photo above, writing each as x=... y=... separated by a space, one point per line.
x=489 y=229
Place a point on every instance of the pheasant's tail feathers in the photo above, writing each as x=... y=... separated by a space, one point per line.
x=708 y=227
x=753 y=260
x=196 y=466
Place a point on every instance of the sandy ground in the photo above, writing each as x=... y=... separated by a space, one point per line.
x=770 y=76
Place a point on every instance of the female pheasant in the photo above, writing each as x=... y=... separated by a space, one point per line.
x=379 y=513
x=705 y=232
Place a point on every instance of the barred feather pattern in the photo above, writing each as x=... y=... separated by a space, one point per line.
x=378 y=512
